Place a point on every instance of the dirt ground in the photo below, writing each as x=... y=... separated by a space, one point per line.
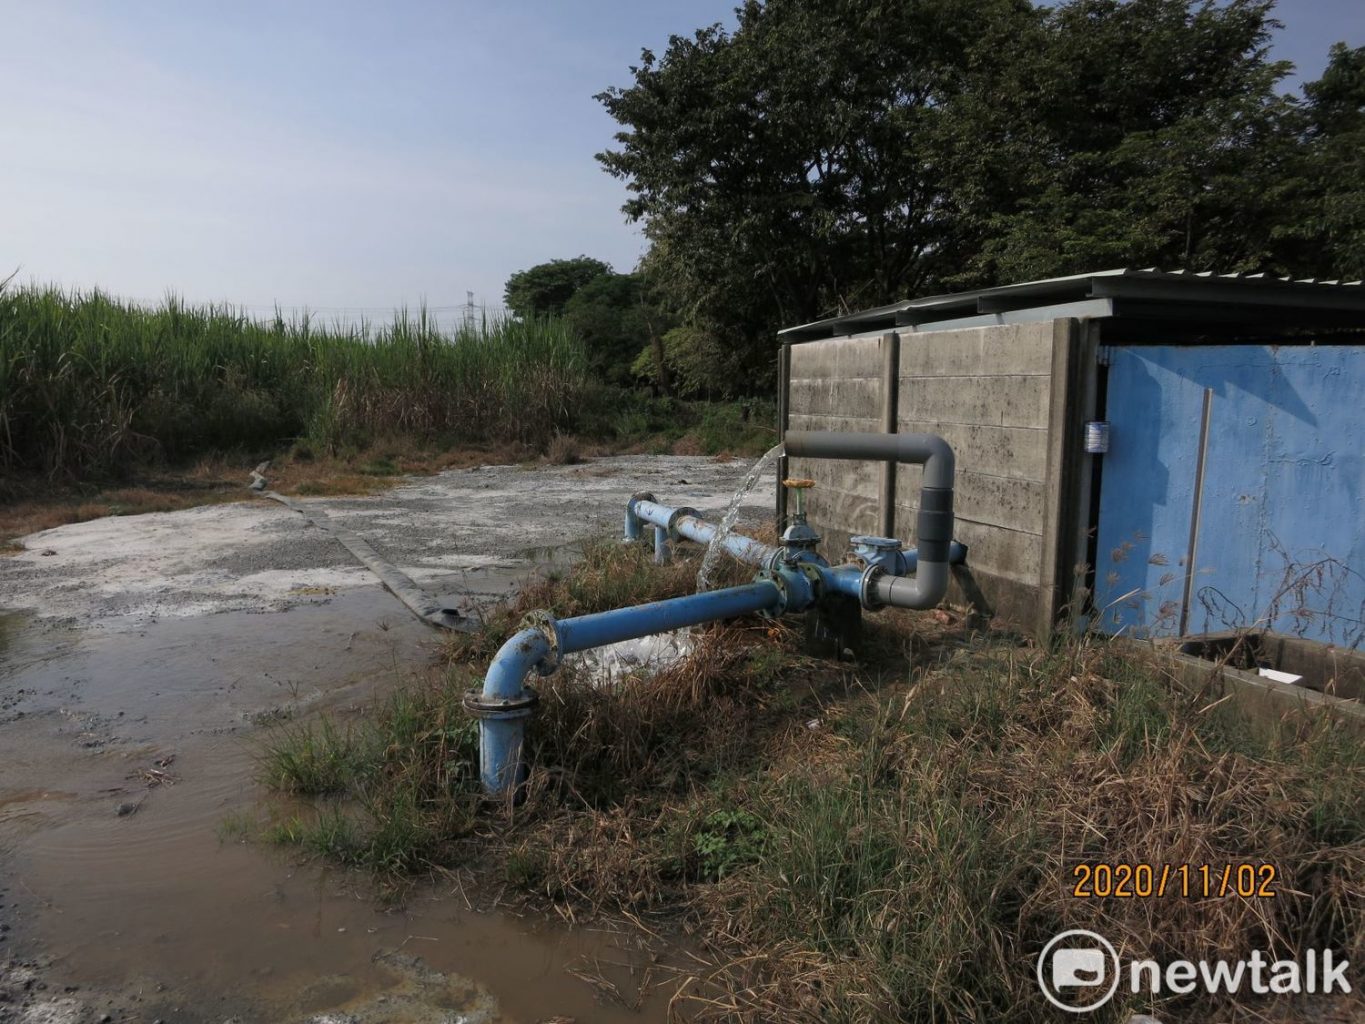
x=142 y=661
x=453 y=533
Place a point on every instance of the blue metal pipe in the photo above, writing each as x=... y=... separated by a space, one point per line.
x=686 y=524
x=633 y=524
x=794 y=579
x=587 y=631
x=843 y=579
x=503 y=707
x=505 y=702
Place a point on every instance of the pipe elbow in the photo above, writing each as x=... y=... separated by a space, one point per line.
x=502 y=708
x=940 y=464
x=507 y=672
x=924 y=590
x=633 y=521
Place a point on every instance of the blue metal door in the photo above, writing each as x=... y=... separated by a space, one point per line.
x=1278 y=530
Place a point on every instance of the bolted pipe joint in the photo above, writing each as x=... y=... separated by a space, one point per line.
x=670 y=530
x=504 y=704
x=674 y=523
x=799 y=586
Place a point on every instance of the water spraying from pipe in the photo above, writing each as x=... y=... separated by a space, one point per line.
x=727 y=523
x=793 y=579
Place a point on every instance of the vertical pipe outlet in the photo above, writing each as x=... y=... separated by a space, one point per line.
x=891 y=372
x=502 y=707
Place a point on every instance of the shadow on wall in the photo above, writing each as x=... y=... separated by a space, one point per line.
x=1258 y=371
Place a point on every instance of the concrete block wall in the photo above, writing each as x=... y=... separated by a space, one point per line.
x=988 y=392
x=837 y=385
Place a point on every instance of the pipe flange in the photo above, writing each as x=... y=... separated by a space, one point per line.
x=867 y=587
x=811 y=570
x=482 y=708
x=784 y=595
x=545 y=622
x=678 y=513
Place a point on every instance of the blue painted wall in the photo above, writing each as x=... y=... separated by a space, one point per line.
x=1282 y=535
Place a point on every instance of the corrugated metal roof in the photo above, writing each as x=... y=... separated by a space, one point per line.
x=1137 y=292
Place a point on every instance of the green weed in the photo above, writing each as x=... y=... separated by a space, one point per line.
x=314 y=759
x=407 y=777
x=726 y=840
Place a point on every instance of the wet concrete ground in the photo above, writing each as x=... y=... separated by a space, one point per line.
x=141 y=661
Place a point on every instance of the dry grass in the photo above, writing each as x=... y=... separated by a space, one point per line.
x=892 y=840
x=564 y=450
x=689 y=444
x=919 y=859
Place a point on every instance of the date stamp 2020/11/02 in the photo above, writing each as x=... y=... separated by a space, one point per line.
x=1190 y=881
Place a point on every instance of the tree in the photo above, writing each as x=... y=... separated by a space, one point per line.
x=837 y=154
x=1159 y=139
x=1324 y=231
x=546 y=288
x=782 y=170
x=617 y=321
x=697 y=362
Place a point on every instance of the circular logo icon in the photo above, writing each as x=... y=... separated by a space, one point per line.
x=1078 y=971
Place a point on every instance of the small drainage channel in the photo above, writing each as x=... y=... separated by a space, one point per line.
x=1272 y=675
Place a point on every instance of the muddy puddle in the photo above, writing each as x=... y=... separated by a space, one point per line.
x=143 y=660
x=127 y=757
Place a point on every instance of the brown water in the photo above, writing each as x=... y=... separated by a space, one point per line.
x=150 y=906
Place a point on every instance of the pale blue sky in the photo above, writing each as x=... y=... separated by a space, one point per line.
x=339 y=154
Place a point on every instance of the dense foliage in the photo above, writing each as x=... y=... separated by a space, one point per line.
x=833 y=155
x=545 y=289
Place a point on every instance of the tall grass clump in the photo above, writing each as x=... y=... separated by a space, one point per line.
x=92 y=385
x=398 y=790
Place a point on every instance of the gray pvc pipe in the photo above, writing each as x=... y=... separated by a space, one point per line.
x=934 y=527
x=891 y=375
x=925 y=589
x=927 y=450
